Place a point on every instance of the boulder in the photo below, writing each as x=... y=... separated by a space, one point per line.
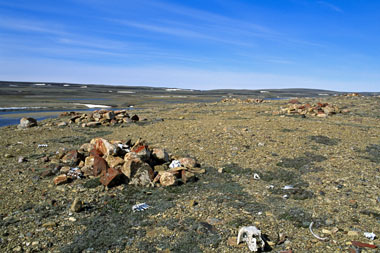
x=61 y=179
x=131 y=166
x=141 y=150
x=160 y=154
x=92 y=124
x=135 y=118
x=76 y=206
x=188 y=162
x=99 y=165
x=87 y=147
x=72 y=158
x=89 y=161
x=103 y=146
x=109 y=115
x=143 y=176
x=111 y=177
x=27 y=122
x=187 y=176
x=167 y=179
x=114 y=161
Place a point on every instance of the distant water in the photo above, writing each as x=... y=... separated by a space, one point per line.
x=16 y=121
x=275 y=98
x=8 y=121
x=85 y=99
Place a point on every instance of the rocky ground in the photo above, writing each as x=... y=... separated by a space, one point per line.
x=330 y=165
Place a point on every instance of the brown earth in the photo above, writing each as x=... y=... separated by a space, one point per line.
x=333 y=163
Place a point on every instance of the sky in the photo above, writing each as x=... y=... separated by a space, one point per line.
x=197 y=44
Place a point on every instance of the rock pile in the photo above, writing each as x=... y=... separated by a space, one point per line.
x=352 y=95
x=318 y=110
x=118 y=162
x=100 y=117
x=242 y=101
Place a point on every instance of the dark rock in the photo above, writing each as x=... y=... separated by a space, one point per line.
x=111 y=177
x=72 y=158
x=135 y=118
x=99 y=165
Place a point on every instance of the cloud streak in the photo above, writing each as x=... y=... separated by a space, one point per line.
x=330 y=6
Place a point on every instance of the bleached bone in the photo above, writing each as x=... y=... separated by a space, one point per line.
x=252 y=236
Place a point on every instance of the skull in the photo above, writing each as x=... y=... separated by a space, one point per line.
x=252 y=236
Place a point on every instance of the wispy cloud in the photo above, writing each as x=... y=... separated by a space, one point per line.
x=330 y=6
x=180 y=31
x=280 y=61
x=27 y=25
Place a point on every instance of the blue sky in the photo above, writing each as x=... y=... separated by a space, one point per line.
x=198 y=44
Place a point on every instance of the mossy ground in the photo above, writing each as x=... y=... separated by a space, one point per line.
x=332 y=163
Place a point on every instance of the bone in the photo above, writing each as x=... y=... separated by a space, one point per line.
x=252 y=236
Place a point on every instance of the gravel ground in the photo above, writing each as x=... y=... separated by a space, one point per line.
x=333 y=164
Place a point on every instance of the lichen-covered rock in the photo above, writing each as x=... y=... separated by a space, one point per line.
x=167 y=178
x=188 y=162
x=143 y=176
x=103 y=146
x=160 y=154
x=114 y=161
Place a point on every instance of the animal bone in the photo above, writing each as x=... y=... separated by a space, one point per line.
x=252 y=236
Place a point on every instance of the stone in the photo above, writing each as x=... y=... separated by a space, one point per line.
x=87 y=171
x=64 y=169
x=17 y=249
x=89 y=161
x=127 y=120
x=103 y=146
x=61 y=152
x=192 y=203
x=71 y=158
x=167 y=179
x=111 y=177
x=94 y=152
x=93 y=124
x=47 y=173
x=161 y=167
x=76 y=206
x=131 y=166
x=27 y=122
x=188 y=162
x=143 y=176
x=61 y=179
x=87 y=147
x=21 y=159
x=160 y=154
x=99 y=165
x=49 y=224
x=141 y=150
x=130 y=156
x=135 y=118
x=109 y=115
x=62 y=124
x=187 y=176
x=353 y=233
x=326 y=231
x=114 y=161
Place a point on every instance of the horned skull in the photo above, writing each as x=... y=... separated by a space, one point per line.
x=252 y=236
